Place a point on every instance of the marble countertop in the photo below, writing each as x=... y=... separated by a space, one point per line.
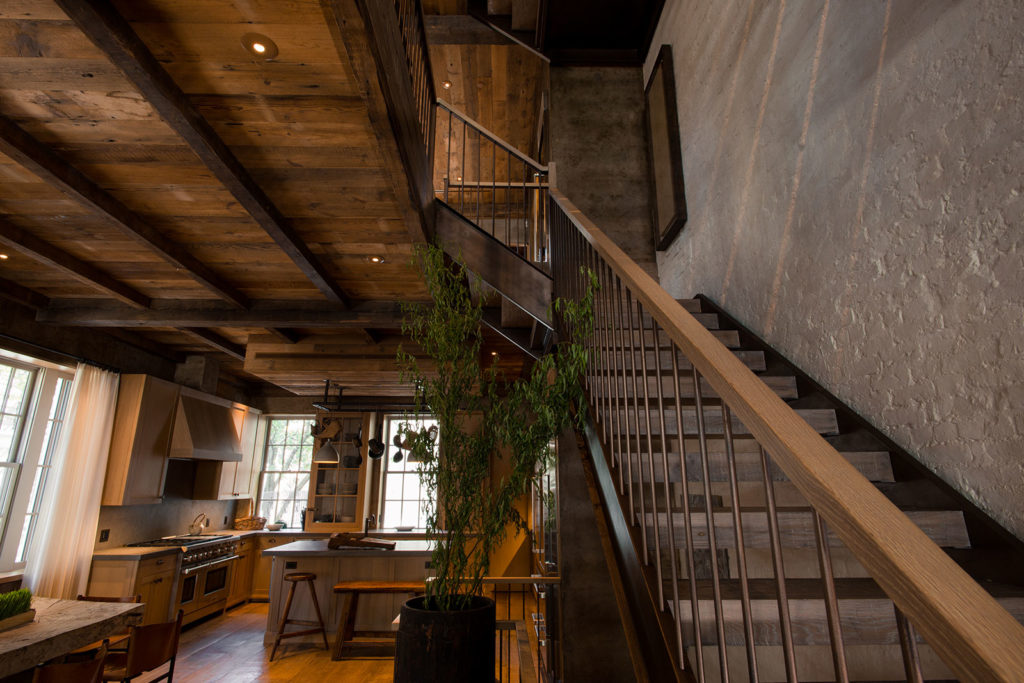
x=318 y=548
x=61 y=626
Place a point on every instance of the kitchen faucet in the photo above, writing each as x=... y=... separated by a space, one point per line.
x=198 y=524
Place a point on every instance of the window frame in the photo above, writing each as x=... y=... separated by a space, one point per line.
x=31 y=441
x=266 y=422
x=389 y=420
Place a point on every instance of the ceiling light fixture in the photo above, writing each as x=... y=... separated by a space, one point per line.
x=259 y=45
x=4 y=257
x=446 y=85
x=375 y=259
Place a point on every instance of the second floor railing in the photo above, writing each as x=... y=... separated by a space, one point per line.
x=503 y=191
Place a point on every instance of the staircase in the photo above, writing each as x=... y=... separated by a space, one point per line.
x=761 y=531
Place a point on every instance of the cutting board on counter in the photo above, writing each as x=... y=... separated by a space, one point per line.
x=358 y=541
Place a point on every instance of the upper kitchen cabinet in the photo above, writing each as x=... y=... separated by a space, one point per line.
x=143 y=424
x=232 y=480
x=337 y=490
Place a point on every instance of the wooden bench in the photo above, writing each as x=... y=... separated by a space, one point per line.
x=347 y=620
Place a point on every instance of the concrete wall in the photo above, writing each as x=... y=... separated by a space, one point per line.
x=599 y=149
x=853 y=172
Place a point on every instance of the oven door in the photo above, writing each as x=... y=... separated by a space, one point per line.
x=204 y=585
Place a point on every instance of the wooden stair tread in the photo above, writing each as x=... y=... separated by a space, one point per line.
x=631 y=361
x=784 y=387
x=708 y=320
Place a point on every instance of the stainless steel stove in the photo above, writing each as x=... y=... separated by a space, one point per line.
x=207 y=566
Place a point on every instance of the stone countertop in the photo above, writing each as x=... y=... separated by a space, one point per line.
x=61 y=626
x=318 y=548
x=141 y=553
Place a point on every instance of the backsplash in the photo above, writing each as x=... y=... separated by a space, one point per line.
x=133 y=523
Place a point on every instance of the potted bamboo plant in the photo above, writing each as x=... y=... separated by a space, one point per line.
x=448 y=634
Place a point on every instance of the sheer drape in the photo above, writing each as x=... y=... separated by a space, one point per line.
x=58 y=562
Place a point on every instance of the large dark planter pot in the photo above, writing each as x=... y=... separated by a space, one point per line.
x=441 y=647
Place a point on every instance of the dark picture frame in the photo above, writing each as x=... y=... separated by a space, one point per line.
x=668 y=193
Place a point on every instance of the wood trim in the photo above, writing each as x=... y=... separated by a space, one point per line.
x=109 y=31
x=398 y=135
x=167 y=313
x=210 y=338
x=44 y=252
x=977 y=638
x=286 y=335
x=517 y=280
x=50 y=167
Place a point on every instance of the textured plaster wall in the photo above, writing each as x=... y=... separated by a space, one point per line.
x=854 y=171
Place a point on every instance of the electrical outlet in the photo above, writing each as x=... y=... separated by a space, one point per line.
x=225 y=520
x=104 y=535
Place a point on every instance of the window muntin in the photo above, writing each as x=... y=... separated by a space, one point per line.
x=284 y=480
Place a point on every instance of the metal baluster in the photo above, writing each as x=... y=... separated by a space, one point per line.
x=741 y=553
x=908 y=644
x=669 y=511
x=780 y=572
x=614 y=356
x=508 y=194
x=600 y=396
x=478 y=174
x=636 y=418
x=632 y=375
x=835 y=631
x=622 y=410
x=650 y=459
x=691 y=570
x=709 y=516
x=494 y=188
x=448 y=173
x=609 y=356
x=462 y=177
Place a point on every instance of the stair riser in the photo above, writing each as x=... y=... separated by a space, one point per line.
x=784 y=387
x=708 y=320
x=822 y=421
x=729 y=338
x=796 y=529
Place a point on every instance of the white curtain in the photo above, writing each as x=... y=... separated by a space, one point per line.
x=58 y=563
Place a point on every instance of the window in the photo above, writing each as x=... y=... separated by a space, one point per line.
x=33 y=402
x=284 y=481
x=403 y=496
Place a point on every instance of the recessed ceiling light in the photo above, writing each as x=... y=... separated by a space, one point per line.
x=259 y=45
x=446 y=84
x=375 y=259
x=494 y=353
x=4 y=257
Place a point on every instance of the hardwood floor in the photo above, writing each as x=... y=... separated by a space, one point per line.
x=230 y=648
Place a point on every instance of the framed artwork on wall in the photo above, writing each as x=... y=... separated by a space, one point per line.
x=668 y=195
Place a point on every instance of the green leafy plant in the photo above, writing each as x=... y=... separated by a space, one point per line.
x=15 y=602
x=482 y=419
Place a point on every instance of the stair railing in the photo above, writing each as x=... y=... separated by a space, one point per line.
x=640 y=328
x=491 y=183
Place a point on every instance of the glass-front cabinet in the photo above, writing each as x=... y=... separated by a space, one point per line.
x=337 y=490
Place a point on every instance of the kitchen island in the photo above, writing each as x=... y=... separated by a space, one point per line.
x=407 y=562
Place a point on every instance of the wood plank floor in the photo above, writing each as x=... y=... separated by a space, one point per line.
x=230 y=648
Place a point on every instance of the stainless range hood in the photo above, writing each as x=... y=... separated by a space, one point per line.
x=204 y=429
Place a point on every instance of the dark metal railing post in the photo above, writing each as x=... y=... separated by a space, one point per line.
x=785 y=624
x=835 y=631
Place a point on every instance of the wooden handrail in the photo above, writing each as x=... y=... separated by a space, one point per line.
x=966 y=626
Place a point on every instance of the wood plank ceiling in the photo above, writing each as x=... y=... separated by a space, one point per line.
x=158 y=177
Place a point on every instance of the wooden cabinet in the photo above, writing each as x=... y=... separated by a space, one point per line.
x=337 y=491
x=143 y=423
x=241 y=579
x=262 y=565
x=233 y=480
x=154 y=578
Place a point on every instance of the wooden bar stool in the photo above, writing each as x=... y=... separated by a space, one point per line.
x=347 y=620
x=294 y=579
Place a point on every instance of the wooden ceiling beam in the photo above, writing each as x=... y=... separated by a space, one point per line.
x=211 y=338
x=167 y=313
x=51 y=168
x=12 y=291
x=44 y=252
x=112 y=34
x=285 y=334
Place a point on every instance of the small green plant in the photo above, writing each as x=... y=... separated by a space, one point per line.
x=483 y=418
x=15 y=602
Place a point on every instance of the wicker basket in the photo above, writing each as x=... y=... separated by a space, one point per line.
x=250 y=523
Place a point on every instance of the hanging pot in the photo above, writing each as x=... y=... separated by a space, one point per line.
x=375 y=446
x=438 y=647
x=352 y=461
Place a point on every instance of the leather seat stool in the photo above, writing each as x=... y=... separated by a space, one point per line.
x=347 y=619
x=294 y=578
